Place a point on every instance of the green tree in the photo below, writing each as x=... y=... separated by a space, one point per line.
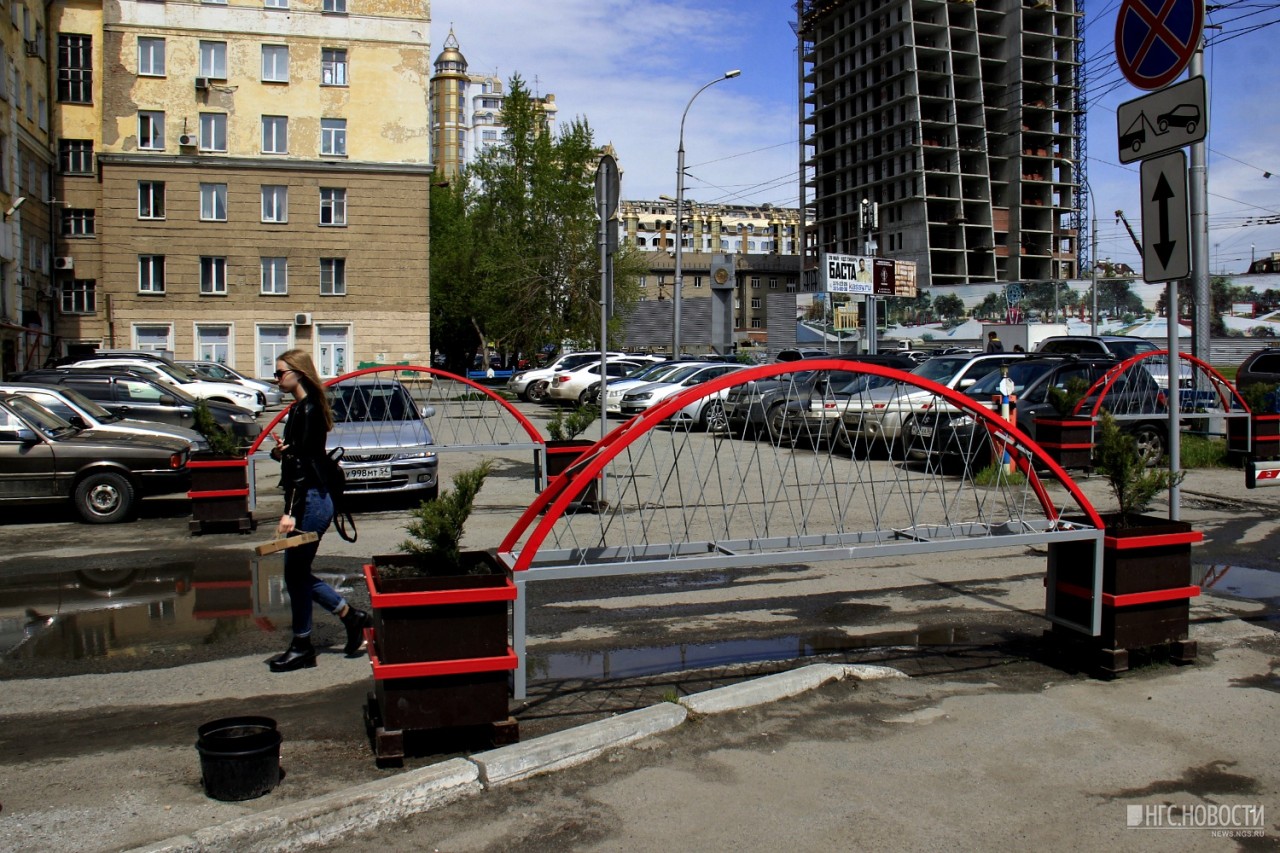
x=948 y=305
x=1222 y=295
x=991 y=307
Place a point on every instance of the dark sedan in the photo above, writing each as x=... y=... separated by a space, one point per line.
x=44 y=459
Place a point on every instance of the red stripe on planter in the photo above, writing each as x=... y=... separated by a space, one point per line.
x=427 y=669
x=221 y=584
x=220 y=493
x=1155 y=541
x=1074 y=591
x=1060 y=446
x=506 y=592
x=217 y=463
x=1135 y=598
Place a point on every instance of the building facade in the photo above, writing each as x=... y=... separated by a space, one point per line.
x=466 y=111
x=959 y=120
x=27 y=297
x=650 y=226
x=235 y=179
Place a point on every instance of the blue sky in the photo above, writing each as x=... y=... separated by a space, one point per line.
x=629 y=68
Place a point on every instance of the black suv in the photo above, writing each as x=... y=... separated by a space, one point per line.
x=1260 y=368
x=133 y=396
x=1114 y=347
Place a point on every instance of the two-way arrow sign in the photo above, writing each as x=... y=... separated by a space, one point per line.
x=1166 y=244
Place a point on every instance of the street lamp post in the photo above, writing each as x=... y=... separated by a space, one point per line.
x=679 y=272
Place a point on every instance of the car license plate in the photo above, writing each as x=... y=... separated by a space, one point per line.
x=924 y=431
x=378 y=472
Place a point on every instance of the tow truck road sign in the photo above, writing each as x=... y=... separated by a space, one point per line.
x=1166 y=250
x=1155 y=39
x=1162 y=121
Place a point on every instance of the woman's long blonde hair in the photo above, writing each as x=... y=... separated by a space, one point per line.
x=300 y=362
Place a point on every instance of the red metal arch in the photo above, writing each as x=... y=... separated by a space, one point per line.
x=1103 y=386
x=524 y=422
x=555 y=500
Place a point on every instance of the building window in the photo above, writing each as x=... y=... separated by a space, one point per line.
x=338 y=7
x=151 y=130
x=333 y=345
x=213 y=343
x=275 y=276
x=153 y=338
x=75 y=156
x=755 y=302
x=773 y=283
x=757 y=323
x=273 y=342
x=150 y=57
x=275 y=203
x=213 y=276
x=275 y=4
x=151 y=199
x=151 y=273
x=333 y=66
x=213 y=202
x=333 y=276
x=275 y=63
x=213 y=131
x=333 y=206
x=755 y=282
x=77 y=222
x=275 y=135
x=79 y=296
x=333 y=137
x=75 y=69
x=213 y=60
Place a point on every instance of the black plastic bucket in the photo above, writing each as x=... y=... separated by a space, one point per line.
x=239 y=757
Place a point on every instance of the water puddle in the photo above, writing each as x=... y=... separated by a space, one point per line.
x=134 y=612
x=656 y=660
x=1243 y=582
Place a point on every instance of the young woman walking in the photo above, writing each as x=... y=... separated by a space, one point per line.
x=307 y=508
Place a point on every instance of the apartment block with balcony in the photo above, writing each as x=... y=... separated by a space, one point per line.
x=958 y=119
x=236 y=179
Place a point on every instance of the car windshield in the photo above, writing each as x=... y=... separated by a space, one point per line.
x=1128 y=349
x=95 y=411
x=683 y=372
x=569 y=362
x=178 y=374
x=856 y=383
x=942 y=368
x=372 y=402
x=1023 y=373
x=39 y=417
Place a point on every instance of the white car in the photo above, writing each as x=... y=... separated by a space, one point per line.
x=582 y=384
x=653 y=373
x=708 y=413
x=532 y=385
x=216 y=371
x=179 y=377
x=638 y=399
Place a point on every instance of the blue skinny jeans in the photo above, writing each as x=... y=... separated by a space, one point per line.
x=303 y=586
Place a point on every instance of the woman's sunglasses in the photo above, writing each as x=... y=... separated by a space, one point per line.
x=280 y=374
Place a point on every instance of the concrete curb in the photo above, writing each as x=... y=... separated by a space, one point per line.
x=574 y=746
x=324 y=819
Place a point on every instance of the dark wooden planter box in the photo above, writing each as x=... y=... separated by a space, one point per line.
x=1067 y=440
x=440 y=651
x=219 y=494
x=1146 y=587
x=560 y=456
x=1265 y=445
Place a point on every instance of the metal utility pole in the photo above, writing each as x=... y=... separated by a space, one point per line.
x=870 y=214
x=1198 y=196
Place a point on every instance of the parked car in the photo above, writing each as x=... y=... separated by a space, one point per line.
x=1260 y=368
x=638 y=399
x=654 y=373
x=131 y=395
x=180 y=377
x=582 y=384
x=1116 y=347
x=385 y=439
x=531 y=385
x=877 y=415
x=707 y=413
x=798 y=354
x=44 y=459
x=81 y=412
x=216 y=371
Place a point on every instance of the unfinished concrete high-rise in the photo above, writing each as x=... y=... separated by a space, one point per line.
x=961 y=120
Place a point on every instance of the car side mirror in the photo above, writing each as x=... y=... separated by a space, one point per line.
x=428 y=412
x=26 y=435
x=168 y=400
x=965 y=383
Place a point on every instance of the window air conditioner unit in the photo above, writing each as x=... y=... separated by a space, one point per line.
x=33 y=48
x=64 y=263
x=187 y=140
x=202 y=83
x=302 y=319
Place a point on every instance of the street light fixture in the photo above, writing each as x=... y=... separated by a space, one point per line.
x=679 y=272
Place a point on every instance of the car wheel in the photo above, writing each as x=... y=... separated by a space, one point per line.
x=104 y=497
x=713 y=418
x=538 y=392
x=585 y=398
x=1164 y=125
x=1137 y=145
x=1191 y=128
x=1151 y=444
x=776 y=420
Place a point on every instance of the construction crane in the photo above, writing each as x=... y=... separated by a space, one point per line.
x=1137 y=244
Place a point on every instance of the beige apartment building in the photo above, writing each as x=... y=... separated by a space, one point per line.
x=238 y=178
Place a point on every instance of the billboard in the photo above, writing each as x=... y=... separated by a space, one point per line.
x=865 y=275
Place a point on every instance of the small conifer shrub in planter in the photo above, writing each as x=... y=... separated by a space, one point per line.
x=564 y=447
x=1067 y=438
x=439 y=645
x=219 y=490
x=1258 y=435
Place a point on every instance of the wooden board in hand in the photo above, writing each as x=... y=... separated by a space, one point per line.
x=281 y=544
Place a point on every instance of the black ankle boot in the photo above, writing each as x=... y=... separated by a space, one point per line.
x=355 y=621
x=300 y=655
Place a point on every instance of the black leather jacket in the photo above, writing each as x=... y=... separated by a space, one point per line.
x=305 y=436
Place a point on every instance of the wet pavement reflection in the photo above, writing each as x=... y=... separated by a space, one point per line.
x=1245 y=582
x=134 y=612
